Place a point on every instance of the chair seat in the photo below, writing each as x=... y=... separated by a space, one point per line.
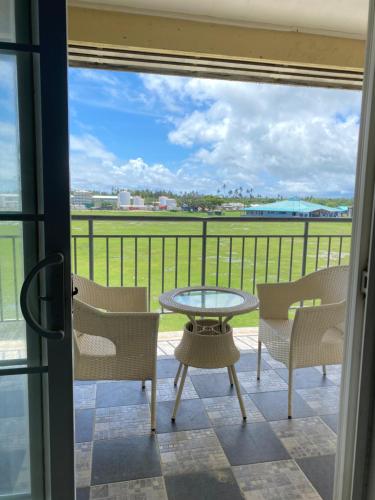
x=93 y=345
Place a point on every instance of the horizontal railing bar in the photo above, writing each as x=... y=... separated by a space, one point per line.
x=176 y=218
x=131 y=236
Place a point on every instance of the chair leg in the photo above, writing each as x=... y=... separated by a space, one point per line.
x=177 y=375
x=153 y=405
x=230 y=376
x=290 y=391
x=179 y=392
x=324 y=370
x=259 y=359
x=238 y=390
x=143 y=385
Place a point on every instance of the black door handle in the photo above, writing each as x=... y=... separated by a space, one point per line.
x=51 y=260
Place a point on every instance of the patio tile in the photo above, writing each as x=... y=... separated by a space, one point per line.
x=120 y=393
x=122 y=421
x=83 y=493
x=305 y=378
x=167 y=368
x=124 y=459
x=323 y=400
x=213 y=385
x=332 y=421
x=305 y=437
x=320 y=471
x=274 y=405
x=84 y=395
x=12 y=402
x=251 y=443
x=273 y=363
x=189 y=452
x=11 y=466
x=274 y=481
x=205 y=371
x=191 y=415
x=226 y=410
x=248 y=362
x=334 y=373
x=269 y=381
x=166 y=391
x=207 y=485
x=84 y=425
x=83 y=458
x=152 y=488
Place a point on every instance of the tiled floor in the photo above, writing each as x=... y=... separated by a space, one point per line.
x=209 y=453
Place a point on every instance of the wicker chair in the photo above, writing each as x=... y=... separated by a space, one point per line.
x=315 y=335
x=115 y=337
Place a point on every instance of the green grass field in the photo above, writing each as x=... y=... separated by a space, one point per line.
x=235 y=262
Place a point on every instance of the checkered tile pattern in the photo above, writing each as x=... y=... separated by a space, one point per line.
x=209 y=452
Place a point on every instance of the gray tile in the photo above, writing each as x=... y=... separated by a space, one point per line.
x=226 y=410
x=11 y=466
x=320 y=471
x=120 y=393
x=305 y=437
x=83 y=457
x=122 y=421
x=274 y=481
x=248 y=362
x=166 y=391
x=152 y=488
x=124 y=459
x=189 y=452
x=274 y=405
x=84 y=395
x=83 y=493
x=334 y=373
x=167 y=368
x=213 y=385
x=84 y=425
x=269 y=381
x=206 y=371
x=323 y=400
x=305 y=378
x=206 y=485
x=273 y=363
x=251 y=443
x=191 y=415
x=12 y=402
x=331 y=421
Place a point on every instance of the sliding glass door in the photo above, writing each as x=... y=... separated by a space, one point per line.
x=36 y=409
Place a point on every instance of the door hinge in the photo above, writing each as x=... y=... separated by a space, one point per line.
x=364 y=281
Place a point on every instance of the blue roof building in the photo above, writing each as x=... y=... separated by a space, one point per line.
x=294 y=208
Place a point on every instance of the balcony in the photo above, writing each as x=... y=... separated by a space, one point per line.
x=208 y=449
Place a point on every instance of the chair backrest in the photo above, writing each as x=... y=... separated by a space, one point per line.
x=88 y=291
x=330 y=285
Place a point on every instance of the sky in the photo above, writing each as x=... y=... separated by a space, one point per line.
x=136 y=131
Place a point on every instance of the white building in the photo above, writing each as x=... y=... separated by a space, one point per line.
x=138 y=201
x=166 y=203
x=9 y=202
x=81 y=199
x=103 y=200
x=123 y=199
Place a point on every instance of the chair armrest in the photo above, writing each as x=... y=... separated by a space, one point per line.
x=275 y=299
x=124 y=329
x=311 y=323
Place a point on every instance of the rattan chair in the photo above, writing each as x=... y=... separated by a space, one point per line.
x=315 y=335
x=115 y=337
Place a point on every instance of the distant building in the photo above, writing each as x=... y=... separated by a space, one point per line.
x=232 y=206
x=104 y=201
x=81 y=199
x=166 y=203
x=123 y=199
x=10 y=202
x=294 y=208
x=138 y=201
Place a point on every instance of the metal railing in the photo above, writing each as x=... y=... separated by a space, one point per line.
x=213 y=253
x=164 y=252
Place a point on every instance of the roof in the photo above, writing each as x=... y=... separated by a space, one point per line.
x=292 y=206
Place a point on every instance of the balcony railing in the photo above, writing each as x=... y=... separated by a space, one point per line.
x=164 y=252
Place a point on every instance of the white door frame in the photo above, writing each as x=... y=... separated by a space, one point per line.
x=358 y=384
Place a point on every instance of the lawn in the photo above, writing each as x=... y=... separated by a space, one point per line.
x=237 y=250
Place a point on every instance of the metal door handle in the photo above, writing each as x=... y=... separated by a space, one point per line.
x=51 y=260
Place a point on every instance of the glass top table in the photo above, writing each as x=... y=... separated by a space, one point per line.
x=208 y=301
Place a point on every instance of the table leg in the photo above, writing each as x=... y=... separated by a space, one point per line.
x=177 y=375
x=238 y=390
x=179 y=392
x=230 y=376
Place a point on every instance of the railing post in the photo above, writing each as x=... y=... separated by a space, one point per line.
x=91 y=249
x=305 y=242
x=204 y=251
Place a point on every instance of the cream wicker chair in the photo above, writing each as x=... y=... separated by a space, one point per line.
x=315 y=335
x=115 y=337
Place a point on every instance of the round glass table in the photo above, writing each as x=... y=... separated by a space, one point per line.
x=208 y=342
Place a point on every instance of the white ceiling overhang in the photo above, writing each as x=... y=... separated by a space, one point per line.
x=343 y=18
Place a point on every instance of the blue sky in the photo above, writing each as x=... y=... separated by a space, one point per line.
x=135 y=131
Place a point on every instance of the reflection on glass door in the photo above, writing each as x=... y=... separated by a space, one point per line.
x=30 y=369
